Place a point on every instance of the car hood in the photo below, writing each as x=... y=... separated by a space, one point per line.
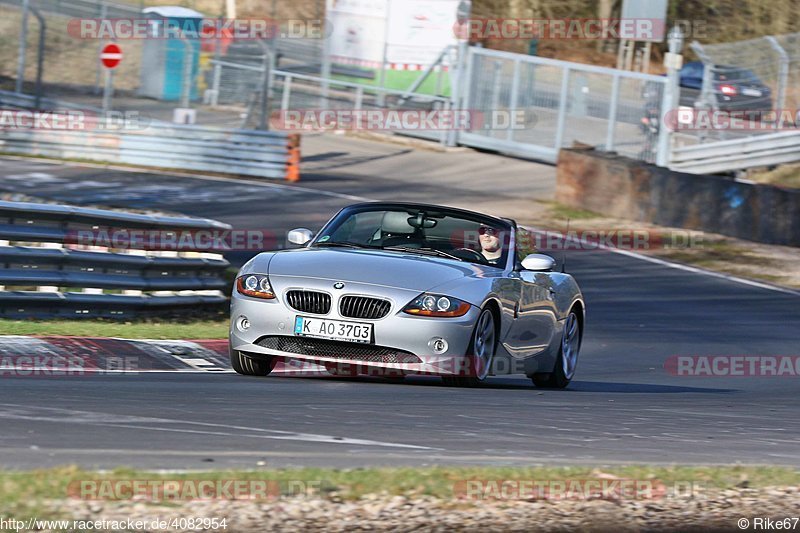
x=389 y=269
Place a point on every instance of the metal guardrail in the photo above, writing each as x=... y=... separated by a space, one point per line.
x=43 y=256
x=734 y=154
x=243 y=152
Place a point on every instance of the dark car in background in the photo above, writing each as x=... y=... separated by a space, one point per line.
x=736 y=88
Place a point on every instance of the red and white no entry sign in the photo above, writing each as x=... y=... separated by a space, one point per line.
x=111 y=55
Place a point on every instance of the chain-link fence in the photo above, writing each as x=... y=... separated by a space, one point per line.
x=755 y=77
x=241 y=83
x=221 y=81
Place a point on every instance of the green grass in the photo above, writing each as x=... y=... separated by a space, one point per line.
x=565 y=212
x=150 y=329
x=400 y=80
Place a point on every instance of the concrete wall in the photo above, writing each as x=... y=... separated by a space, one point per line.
x=626 y=188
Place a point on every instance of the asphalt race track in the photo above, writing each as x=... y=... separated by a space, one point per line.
x=623 y=407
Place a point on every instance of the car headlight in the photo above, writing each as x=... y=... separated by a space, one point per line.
x=427 y=304
x=255 y=285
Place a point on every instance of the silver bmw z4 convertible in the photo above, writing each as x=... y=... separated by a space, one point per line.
x=398 y=288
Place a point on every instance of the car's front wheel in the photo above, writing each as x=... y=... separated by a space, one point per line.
x=250 y=366
x=567 y=360
x=480 y=354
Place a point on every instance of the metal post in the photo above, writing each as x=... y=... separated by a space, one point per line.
x=498 y=66
x=325 y=73
x=671 y=96
x=23 y=45
x=215 y=82
x=562 y=109
x=384 y=57
x=359 y=97
x=512 y=107
x=262 y=122
x=187 y=75
x=460 y=86
x=107 y=91
x=100 y=45
x=287 y=91
x=783 y=78
x=612 y=113
x=39 y=57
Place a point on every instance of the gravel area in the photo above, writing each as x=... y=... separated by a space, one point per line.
x=712 y=511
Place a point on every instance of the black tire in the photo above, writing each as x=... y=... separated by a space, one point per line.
x=251 y=366
x=558 y=378
x=477 y=372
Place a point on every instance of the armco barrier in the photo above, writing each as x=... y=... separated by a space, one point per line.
x=43 y=260
x=625 y=188
x=735 y=154
x=263 y=154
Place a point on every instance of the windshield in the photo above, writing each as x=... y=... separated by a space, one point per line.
x=441 y=233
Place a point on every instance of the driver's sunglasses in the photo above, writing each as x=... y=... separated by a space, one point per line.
x=484 y=230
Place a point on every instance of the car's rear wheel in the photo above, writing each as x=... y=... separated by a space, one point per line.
x=251 y=366
x=567 y=360
x=480 y=354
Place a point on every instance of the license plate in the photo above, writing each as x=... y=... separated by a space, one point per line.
x=751 y=92
x=337 y=330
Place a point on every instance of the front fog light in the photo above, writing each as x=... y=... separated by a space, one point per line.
x=243 y=323
x=438 y=345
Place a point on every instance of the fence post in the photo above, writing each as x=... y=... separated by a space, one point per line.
x=39 y=57
x=783 y=78
x=671 y=96
x=513 y=103
x=287 y=90
x=359 y=97
x=612 y=113
x=186 y=90
x=100 y=45
x=462 y=68
x=217 y=76
x=23 y=46
x=562 y=109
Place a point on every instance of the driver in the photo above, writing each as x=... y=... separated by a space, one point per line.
x=491 y=246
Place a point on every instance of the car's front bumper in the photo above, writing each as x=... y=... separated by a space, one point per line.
x=398 y=331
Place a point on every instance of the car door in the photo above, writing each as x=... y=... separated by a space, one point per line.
x=535 y=317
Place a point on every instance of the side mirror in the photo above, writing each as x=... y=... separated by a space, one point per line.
x=300 y=236
x=538 y=263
